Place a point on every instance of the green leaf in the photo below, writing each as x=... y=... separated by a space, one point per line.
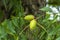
x=21 y=21
x=55 y=30
x=58 y=38
x=46 y=9
x=23 y=37
x=9 y=28
x=15 y=21
x=49 y=37
x=2 y=32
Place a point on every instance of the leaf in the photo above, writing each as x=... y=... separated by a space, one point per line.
x=21 y=21
x=9 y=28
x=2 y=32
x=23 y=37
x=15 y=21
x=58 y=38
x=49 y=38
x=55 y=30
x=55 y=19
x=46 y=9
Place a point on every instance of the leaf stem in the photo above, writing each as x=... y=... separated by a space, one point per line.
x=42 y=27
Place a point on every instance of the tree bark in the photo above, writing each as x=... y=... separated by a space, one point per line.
x=33 y=6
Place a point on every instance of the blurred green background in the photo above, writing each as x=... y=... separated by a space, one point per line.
x=13 y=26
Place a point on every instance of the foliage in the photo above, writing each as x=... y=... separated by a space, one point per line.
x=54 y=2
x=17 y=28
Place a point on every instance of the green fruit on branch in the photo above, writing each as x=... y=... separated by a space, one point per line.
x=33 y=24
x=29 y=17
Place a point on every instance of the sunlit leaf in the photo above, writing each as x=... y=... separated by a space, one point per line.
x=46 y=9
x=58 y=38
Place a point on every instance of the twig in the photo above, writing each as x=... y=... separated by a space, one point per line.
x=23 y=30
x=42 y=27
